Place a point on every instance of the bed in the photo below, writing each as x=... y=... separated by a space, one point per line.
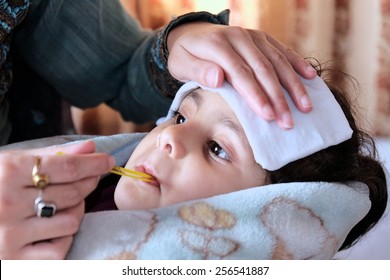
x=209 y=229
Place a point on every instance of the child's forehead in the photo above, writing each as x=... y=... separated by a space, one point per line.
x=197 y=91
x=312 y=131
x=199 y=95
x=208 y=101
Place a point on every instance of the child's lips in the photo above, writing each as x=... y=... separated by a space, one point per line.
x=154 y=181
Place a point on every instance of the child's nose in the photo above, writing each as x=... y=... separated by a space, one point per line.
x=172 y=140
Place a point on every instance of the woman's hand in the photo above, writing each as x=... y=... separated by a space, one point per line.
x=256 y=64
x=24 y=235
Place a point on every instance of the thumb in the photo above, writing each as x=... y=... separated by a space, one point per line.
x=185 y=67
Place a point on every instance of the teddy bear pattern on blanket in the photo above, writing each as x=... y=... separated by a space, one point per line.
x=281 y=221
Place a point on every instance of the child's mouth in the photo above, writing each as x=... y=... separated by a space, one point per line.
x=153 y=181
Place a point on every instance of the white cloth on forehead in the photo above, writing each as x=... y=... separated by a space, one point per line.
x=273 y=147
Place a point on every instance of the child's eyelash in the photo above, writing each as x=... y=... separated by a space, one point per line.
x=175 y=114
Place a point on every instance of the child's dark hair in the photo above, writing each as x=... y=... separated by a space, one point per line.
x=352 y=160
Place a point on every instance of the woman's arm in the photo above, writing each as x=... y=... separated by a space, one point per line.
x=93 y=52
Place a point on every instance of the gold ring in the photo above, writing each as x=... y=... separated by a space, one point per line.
x=41 y=181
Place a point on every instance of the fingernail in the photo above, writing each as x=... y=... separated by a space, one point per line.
x=287 y=120
x=268 y=112
x=111 y=161
x=306 y=102
x=311 y=69
x=212 y=77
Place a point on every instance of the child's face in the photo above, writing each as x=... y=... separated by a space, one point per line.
x=201 y=152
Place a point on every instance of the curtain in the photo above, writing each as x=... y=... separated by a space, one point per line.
x=352 y=34
x=382 y=124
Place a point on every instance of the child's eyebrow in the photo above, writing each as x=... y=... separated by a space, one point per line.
x=196 y=98
x=218 y=117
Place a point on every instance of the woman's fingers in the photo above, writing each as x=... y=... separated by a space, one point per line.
x=300 y=65
x=287 y=65
x=71 y=178
x=70 y=168
x=45 y=238
x=63 y=223
x=263 y=65
x=63 y=196
x=213 y=55
x=59 y=168
x=202 y=71
x=72 y=175
x=256 y=64
x=54 y=249
x=62 y=164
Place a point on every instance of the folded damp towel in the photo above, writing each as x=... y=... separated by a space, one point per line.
x=273 y=147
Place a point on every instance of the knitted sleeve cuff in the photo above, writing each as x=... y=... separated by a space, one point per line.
x=159 y=53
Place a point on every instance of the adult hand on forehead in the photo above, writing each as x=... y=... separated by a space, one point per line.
x=257 y=66
x=24 y=235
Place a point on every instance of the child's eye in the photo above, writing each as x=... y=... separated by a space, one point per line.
x=179 y=118
x=217 y=150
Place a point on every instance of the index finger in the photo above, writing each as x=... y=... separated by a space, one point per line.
x=288 y=66
x=70 y=168
x=62 y=163
x=17 y=168
x=78 y=161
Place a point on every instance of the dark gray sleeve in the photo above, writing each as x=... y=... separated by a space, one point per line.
x=92 y=51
